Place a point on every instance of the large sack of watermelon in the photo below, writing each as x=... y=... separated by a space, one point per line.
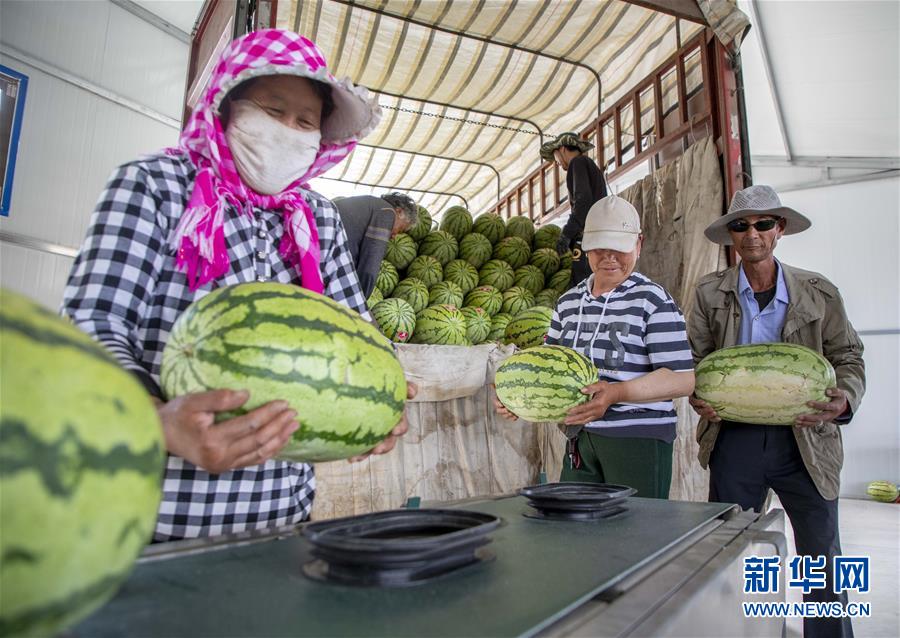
x=543 y=383
x=766 y=383
x=284 y=342
x=81 y=462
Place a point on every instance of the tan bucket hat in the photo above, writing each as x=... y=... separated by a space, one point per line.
x=755 y=200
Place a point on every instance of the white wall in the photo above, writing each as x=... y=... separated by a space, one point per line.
x=71 y=137
x=855 y=242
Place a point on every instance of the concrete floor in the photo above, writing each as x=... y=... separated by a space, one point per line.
x=867 y=529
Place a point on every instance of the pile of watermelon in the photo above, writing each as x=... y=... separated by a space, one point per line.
x=468 y=281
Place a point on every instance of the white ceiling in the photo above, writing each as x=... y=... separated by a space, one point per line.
x=836 y=68
x=178 y=13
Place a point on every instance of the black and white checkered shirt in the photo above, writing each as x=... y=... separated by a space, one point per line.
x=125 y=291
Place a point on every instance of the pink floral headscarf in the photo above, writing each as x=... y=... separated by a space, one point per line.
x=199 y=238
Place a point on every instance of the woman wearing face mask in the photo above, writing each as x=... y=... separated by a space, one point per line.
x=635 y=334
x=228 y=205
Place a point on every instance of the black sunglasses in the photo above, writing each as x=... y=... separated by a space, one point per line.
x=742 y=226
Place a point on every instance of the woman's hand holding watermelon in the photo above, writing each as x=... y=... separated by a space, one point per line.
x=827 y=411
x=399 y=430
x=191 y=431
x=704 y=409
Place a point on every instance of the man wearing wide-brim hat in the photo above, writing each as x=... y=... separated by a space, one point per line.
x=764 y=300
x=585 y=184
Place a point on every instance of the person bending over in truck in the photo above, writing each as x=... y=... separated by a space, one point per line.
x=230 y=204
x=634 y=332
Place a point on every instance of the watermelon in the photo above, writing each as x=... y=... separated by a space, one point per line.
x=81 y=463
x=513 y=250
x=545 y=382
x=427 y=269
x=498 y=274
x=476 y=249
x=491 y=226
x=401 y=250
x=546 y=237
x=530 y=278
x=423 y=225
x=414 y=292
x=486 y=297
x=445 y=293
x=457 y=221
x=561 y=281
x=478 y=324
x=515 y=300
x=441 y=245
x=441 y=325
x=529 y=328
x=396 y=318
x=285 y=342
x=387 y=278
x=547 y=297
x=547 y=260
x=565 y=260
x=522 y=227
x=462 y=273
x=883 y=491
x=766 y=383
x=498 y=326
x=374 y=298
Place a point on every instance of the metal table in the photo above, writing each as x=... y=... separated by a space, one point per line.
x=610 y=577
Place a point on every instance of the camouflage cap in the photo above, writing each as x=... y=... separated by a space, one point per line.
x=564 y=139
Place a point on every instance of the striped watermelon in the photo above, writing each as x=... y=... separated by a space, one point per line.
x=401 y=250
x=387 y=278
x=476 y=249
x=547 y=297
x=457 y=221
x=515 y=300
x=414 y=292
x=546 y=237
x=486 y=297
x=561 y=281
x=565 y=260
x=883 y=491
x=441 y=325
x=513 y=250
x=522 y=227
x=498 y=326
x=462 y=273
x=545 y=382
x=478 y=324
x=547 y=259
x=81 y=462
x=284 y=342
x=441 y=245
x=491 y=226
x=423 y=225
x=445 y=293
x=427 y=269
x=498 y=274
x=374 y=298
x=396 y=318
x=530 y=278
x=529 y=328
x=766 y=383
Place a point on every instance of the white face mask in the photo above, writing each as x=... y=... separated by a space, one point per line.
x=268 y=155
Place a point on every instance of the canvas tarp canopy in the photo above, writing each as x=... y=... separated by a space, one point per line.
x=468 y=88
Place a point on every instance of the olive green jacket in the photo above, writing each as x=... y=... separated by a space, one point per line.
x=816 y=319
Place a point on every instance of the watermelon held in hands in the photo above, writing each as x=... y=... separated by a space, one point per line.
x=765 y=383
x=283 y=342
x=883 y=491
x=81 y=463
x=545 y=382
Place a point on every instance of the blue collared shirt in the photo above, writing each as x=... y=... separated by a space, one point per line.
x=764 y=326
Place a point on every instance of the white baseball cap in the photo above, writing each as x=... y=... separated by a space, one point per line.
x=613 y=224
